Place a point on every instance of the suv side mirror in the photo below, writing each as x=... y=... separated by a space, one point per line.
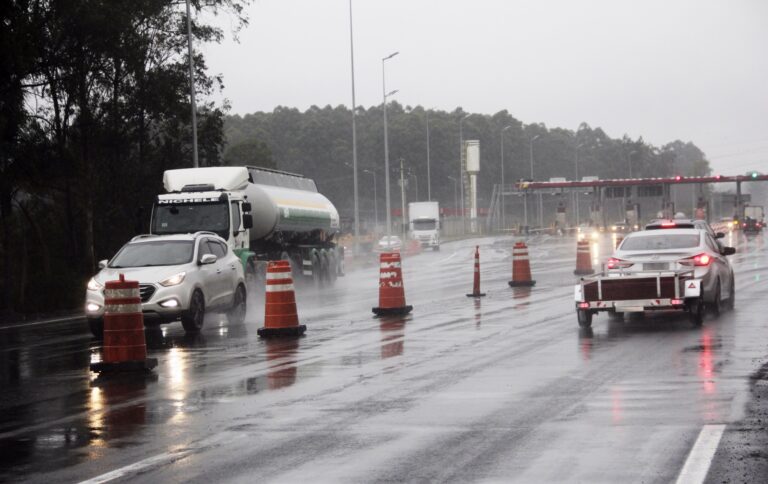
x=719 y=235
x=208 y=259
x=103 y=263
x=247 y=221
x=728 y=251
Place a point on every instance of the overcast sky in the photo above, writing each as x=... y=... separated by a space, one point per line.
x=695 y=70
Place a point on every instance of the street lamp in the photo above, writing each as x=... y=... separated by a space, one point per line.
x=576 y=167
x=386 y=139
x=461 y=171
x=503 y=212
x=354 y=136
x=375 y=200
x=525 y=197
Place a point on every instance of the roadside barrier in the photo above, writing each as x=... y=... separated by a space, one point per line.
x=521 y=267
x=125 y=347
x=391 y=290
x=476 y=286
x=280 y=316
x=583 y=258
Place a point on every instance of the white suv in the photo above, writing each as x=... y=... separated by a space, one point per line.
x=180 y=277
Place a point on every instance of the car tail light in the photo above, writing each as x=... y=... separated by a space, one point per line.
x=668 y=224
x=614 y=263
x=701 y=260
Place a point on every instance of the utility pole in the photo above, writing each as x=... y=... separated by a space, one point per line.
x=356 y=249
x=402 y=198
x=195 y=161
x=429 y=181
x=386 y=140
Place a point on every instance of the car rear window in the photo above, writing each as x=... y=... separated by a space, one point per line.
x=661 y=242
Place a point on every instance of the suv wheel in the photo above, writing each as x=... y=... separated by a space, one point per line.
x=236 y=314
x=717 y=303
x=192 y=319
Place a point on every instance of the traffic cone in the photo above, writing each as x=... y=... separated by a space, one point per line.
x=391 y=291
x=125 y=348
x=280 y=317
x=521 y=267
x=476 y=286
x=583 y=259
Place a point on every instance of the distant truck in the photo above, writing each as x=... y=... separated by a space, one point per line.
x=263 y=215
x=754 y=219
x=424 y=223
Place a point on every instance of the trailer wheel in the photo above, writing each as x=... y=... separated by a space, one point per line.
x=584 y=317
x=333 y=269
x=696 y=312
x=317 y=270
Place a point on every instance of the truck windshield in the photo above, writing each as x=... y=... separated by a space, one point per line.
x=424 y=224
x=190 y=218
x=147 y=254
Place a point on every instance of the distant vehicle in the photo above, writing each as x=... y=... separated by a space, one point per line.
x=621 y=227
x=180 y=277
x=585 y=231
x=754 y=219
x=684 y=224
x=424 y=223
x=391 y=243
x=263 y=215
x=676 y=269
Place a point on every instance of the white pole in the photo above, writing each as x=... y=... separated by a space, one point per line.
x=354 y=136
x=195 y=161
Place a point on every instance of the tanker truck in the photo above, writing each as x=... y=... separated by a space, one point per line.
x=263 y=214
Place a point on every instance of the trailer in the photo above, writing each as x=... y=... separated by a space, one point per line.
x=619 y=292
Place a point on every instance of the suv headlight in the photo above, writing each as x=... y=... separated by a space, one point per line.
x=94 y=285
x=174 y=280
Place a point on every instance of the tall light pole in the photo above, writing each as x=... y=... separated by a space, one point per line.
x=375 y=200
x=416 y=183
x=629 y=161
x=403 y=224
x=354 y=135
x=429 y=180
x=503 y=208
x=525 y=197
x=455 y=191
x=461 y=171
x=576 y=168
x=386 y=139
x=195 y=161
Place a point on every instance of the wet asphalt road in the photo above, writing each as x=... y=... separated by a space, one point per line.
x=505 y=388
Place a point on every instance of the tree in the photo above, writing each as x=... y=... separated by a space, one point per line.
x=253 y=152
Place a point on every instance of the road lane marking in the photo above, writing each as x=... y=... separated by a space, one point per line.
x=47 y=321
x=700 y=458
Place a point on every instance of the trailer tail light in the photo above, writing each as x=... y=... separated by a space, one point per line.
x=677 y=302
x=614 y=263
x=701 y=260
x=583 y=305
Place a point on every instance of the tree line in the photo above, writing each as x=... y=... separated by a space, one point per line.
x=94 y=106
x=318 y=144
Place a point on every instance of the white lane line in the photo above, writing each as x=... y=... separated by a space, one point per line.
x=448 y=258
x=47 y=321
x=697 y=464
x=137 y=467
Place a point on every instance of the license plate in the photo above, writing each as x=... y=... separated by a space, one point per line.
x=656 y=266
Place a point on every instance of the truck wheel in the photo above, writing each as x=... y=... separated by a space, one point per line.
x=97 y=327
x=696 y=312
x=236 y=314
x=584 y=317
x=192 y=319
x=317 y=270
x=333 y=268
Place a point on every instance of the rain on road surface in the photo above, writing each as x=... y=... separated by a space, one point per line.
x=505 y=388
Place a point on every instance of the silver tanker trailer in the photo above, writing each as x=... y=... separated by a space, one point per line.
x=264 y=215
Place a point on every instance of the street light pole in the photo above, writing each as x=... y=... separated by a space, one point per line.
x=386 y=139
x=354 y=136
x=455 y=192
x=429 y=180
x=402 y=200
x=525 y=197
x=503 y=208
x=461 y=171
x=192 y=101
x=576 y=167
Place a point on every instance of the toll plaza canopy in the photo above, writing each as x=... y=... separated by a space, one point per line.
x=625 y=182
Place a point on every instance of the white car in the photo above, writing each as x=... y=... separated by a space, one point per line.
x=391 y=243
x=180 y=277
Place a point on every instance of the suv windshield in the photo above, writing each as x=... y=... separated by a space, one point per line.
x=145 y=254
x=661 y=242
x=191 y=218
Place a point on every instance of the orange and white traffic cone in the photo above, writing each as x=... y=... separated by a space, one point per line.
x=476 y=286
x=280 y=317
x=521 y=267
x=125 y=348
x=583 y=259
x=391 y=290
